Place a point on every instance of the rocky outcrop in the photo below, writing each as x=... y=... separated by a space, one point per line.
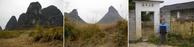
x=31 y=17
x=26 y=20
x=73 y=15
x=34 y=12
x=34 y=8
x=12 y=24
x=51 y=16
x=111 y=16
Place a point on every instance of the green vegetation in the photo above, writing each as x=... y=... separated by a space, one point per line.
x=9 y=34
x=180 y=35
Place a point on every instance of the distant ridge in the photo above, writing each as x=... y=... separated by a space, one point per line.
x=51 y=15
x=35 y=14
x=73 y=15
x=111 y=16
x=12 y=23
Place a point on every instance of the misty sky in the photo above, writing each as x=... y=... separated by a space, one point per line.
x=90 y=11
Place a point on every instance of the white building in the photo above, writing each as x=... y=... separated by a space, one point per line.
x=135 y=17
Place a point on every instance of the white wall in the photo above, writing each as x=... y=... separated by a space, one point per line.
x=151 y=6
x=132 y=25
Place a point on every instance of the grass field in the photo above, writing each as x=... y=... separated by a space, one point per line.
x=26 y=38
x=95 y=35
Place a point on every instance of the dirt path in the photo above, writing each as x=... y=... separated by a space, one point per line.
x=145 y=44
x=23 y=41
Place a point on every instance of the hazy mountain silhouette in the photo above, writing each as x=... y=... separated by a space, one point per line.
x=12 y=23
x=73 y=15
x=49 y=16
x=26 y=20
x=34 y=8
x=52 y=16
x=31 y=17
x=111 y=16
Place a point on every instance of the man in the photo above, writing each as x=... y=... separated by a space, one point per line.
x=163 y=29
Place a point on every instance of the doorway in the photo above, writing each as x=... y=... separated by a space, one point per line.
x=147 y=22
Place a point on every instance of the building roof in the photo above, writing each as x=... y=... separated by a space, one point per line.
x=187 y=5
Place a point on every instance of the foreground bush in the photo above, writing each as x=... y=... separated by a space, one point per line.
x=121 y=37
x=47 y=34
x=69 y=28
x=88 y=35
x=174 y=39
x=180 y=35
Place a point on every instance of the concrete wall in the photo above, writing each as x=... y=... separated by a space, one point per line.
x=140 y=6
x=132 y=25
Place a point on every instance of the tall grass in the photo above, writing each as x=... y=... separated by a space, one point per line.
x=92 y=35
x=121 y=37
x=10 y=34
x=180 y=35
x=89 y=35
x=47 y=34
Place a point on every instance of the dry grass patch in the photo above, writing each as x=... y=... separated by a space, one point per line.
x=95 y=35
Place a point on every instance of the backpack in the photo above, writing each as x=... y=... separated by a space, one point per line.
x=163 y=29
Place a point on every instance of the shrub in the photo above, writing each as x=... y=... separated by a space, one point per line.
x=83 y=35
x=47 y=34
x=121 y=36
x=180 y=35
x=70 y=30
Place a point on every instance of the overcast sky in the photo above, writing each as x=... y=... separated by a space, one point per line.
x=90 y=11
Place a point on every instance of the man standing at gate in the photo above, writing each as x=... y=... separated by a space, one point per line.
x=163 y=29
